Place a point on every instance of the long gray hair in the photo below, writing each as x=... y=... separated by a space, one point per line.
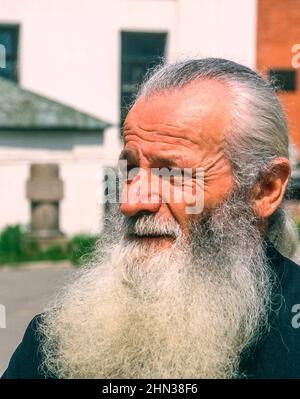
x=258 y=132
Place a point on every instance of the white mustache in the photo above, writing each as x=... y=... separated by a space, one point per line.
x=149 y=225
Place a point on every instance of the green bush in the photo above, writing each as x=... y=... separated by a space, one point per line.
x=11 y=250
x=17 y=246
x=54 y=253
x=298 y=226
x=81 y=247
x=31 y=248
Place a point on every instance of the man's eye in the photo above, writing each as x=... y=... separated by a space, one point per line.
x=129 y=173
x=167 y=172
x=132 y=171
x=124 y=168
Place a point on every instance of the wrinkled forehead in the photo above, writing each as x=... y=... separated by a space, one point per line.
x=204 y=104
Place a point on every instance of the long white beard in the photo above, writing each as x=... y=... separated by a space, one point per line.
x=184 y=312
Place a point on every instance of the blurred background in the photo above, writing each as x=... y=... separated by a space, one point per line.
x=69 y=70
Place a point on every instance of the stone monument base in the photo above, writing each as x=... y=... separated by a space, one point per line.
x=46 y=240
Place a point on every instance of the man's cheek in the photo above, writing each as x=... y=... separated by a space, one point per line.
x=193 y=193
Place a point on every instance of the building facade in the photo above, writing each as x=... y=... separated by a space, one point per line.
x=92 y=55
x=36 y=131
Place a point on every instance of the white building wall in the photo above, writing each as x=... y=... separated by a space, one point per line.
x=80 y=163
x=14 y=208
x=70 y=51
x=218 y=28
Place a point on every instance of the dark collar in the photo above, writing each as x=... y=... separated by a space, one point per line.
x=274 y=257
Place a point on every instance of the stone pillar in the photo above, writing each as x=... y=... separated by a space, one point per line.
x=45 y=190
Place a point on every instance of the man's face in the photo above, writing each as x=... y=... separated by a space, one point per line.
x=187 y=311
x=177 y=129
x=168 y=310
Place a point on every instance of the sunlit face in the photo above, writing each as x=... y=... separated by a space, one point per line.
x=177 y=129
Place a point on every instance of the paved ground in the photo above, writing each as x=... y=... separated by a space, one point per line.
x=24 y=291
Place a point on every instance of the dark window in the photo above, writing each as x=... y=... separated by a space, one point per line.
x=284 y=79
x=9 y=38
x=139 y=52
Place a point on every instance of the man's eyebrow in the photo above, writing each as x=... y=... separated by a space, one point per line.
x=166 y=162
x=130 y=156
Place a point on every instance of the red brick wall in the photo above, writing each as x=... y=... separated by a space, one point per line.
x=278 y=30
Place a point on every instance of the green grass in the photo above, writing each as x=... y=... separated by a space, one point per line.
x=17 y=246
x=81 y=248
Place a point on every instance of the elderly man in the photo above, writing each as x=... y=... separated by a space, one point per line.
x=182 y=294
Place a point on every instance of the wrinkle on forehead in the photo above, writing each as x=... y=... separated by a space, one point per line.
x=181 y=124
x=186 y=113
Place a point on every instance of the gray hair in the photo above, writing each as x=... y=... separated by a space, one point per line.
x=258 y=130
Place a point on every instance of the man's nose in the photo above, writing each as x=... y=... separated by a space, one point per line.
x=140 y=195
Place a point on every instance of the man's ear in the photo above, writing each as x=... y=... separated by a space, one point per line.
x=269 y=191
